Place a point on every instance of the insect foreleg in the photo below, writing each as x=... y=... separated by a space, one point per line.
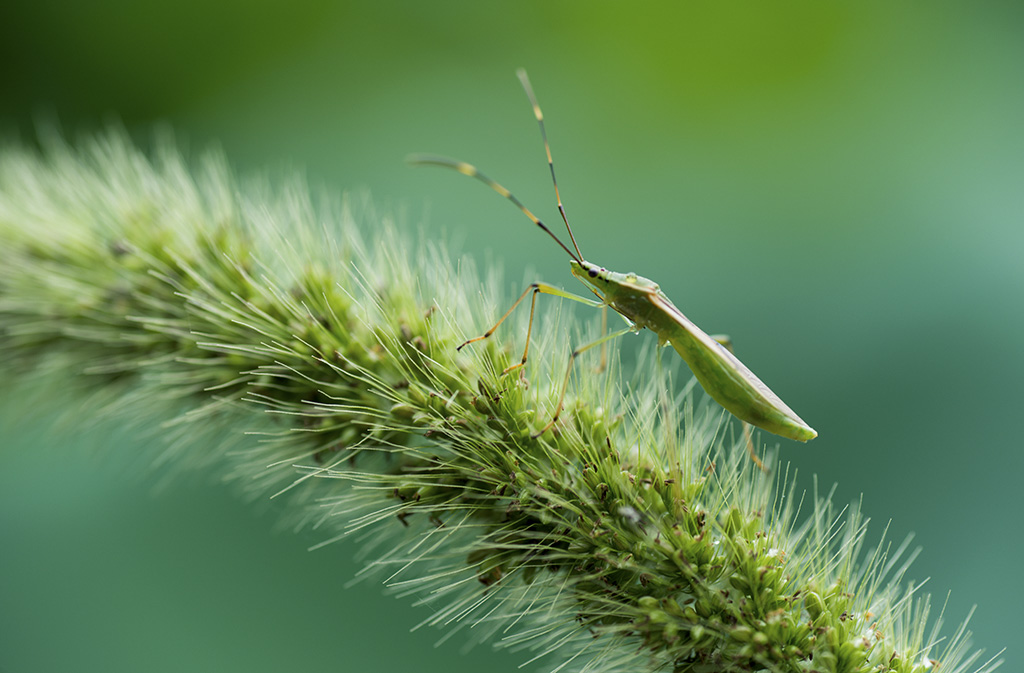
x=535 y=288
x=568 y=372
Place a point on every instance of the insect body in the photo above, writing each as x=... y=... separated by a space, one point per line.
x=643 y=305
x=719 y=372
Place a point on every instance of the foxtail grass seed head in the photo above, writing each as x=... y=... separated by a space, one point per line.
x=321 y=367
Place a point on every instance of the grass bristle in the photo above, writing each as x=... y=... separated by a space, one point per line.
x=281 y=348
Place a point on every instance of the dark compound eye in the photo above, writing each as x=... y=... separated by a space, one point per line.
x=593 y=273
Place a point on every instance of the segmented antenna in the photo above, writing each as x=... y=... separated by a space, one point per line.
x=473 y=172
x=547 y=148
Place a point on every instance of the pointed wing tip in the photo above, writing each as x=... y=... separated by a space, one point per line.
x=808 y=433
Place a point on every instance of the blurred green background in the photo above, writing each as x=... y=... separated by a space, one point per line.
x=838 y=186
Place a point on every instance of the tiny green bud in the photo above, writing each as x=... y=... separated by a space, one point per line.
x=815 y=606
x=648 y=602
x=743 y=634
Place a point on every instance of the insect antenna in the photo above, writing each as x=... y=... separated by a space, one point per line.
x=547 y=148
x=473 y=172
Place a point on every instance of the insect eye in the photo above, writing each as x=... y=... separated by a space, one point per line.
x=593 y=273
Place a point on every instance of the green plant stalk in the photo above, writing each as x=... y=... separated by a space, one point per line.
x=631 y=537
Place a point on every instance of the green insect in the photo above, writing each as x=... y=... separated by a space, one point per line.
x=642 y=304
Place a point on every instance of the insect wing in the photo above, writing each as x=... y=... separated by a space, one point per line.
x=727 y=380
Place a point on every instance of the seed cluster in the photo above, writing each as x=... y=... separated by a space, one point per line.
x=632 y=536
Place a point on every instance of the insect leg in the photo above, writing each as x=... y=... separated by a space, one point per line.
x=604 y=345
x=748 y=434
x=532 y=287
x=546 y=289
x=535 y=288
x=748 y=429
x=529 y=331
x=568 y=372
